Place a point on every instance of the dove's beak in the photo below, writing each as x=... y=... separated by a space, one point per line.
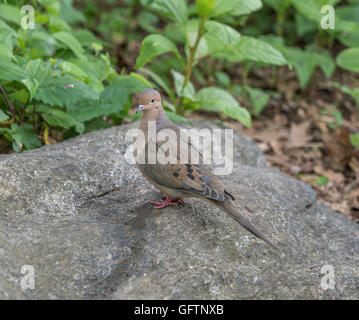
x=140 y=108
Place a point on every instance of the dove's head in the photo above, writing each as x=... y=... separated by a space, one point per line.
x=150 y=102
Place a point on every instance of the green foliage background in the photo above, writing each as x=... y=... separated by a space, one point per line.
x=60 y=76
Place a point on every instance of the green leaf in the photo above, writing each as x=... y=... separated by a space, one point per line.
x=69 y=13
x=188 y=91
x=205 y=7
x=220 y=37
x=175 y=117
x=246 y=7
x=354 y=140
x=322 y=181
x=86 y=38
x=236 y=7
x=69 y=41
x=219 y=100
x=64 y=91
x=3 y=116
x=147 y=21
x=175 y=10
x=348 y=59
x=74 y=70
x=25 y=136
x=96 y=124
x=258 y=99
x=159 y=81
x=5 y=51
x=59 y=118
x=10 y=71
x=354 y=93
x=112 y=100
x=21 y=95
x=248 y=48
x=153 y=46
x=10 y=13
x=7 y=36
x=305 y=63
x=142 y=79
x=223 y=78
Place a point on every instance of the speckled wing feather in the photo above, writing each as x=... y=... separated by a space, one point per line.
x=196 y=179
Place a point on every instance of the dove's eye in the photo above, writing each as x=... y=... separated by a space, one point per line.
x=153 y=100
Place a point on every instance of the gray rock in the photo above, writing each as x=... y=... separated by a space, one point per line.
x=80 y=215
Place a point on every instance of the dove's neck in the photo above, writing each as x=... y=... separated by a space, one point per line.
x=162 y=120
x=159 y=118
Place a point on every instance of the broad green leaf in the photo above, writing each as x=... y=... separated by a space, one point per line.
x=303 y=64
x=64 y=91
x=188 y=91
x=247 y=7
x=92 y=66
x=59 y=118
x=3 y=116
x=69 y=13
x=10 y=13
x=96 y=124
x=159 y=81
x=349 y=59
x=248 y=48
x=58 y=25
x=147 y=21
x=42 y=42
x=69 y=41
x=10 y=71
x=142 y=79
x=5 y=51
x=258 y=99
x=219 y=100
x=175 y=117
x=112 y=100
x=86 y=38
x=7 y=36
x=223 y=78
x=153 y=46
x=25 y=136
x=175 y=10
x=205 y=7
x=220 y=36
x=235 y=7
x=74 y=70
x=304 y=25
x=22 y=95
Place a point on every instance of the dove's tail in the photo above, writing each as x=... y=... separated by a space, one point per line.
x=229 y=207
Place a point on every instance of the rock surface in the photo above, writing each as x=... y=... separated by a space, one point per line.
x=80 y=215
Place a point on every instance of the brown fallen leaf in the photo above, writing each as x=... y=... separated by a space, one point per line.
x=298 y=134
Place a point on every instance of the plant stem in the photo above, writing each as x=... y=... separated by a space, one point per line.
x=9 y=104
x=190 y=63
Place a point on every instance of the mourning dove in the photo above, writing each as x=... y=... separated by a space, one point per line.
x=179 y=180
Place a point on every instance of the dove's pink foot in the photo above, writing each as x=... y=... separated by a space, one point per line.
x=167 y=201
